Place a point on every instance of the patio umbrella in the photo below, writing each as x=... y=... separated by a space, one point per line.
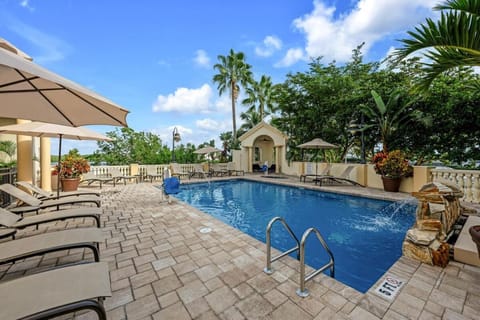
x=40 y=129
x=207 y=150
x=29 y=91
x=317 y=144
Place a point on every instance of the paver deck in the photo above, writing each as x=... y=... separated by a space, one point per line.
x=163 y=267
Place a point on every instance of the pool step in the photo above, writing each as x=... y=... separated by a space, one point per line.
x=465 y=250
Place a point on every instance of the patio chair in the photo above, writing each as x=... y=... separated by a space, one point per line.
x=217 y=170
x=91 y=178
x=40 y=244
x=232 y=171
x=341 y=179
x=178 y=172
x=198 y=171
x=56 y=292
x=310 y=172
x=14 y=221
x=34 y=204
x=118 y=176
x=152 y=174
x=46 y=195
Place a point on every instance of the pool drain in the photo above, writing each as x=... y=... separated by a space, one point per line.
x=205 y=230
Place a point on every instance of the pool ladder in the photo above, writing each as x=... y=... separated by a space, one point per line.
x=300 y=248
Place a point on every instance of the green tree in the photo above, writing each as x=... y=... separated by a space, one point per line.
x=128 y=146
x=261 y=97
x=251 y=118
x=453 y=41
x=226 y=138
x=233 y=72
x=9 y=148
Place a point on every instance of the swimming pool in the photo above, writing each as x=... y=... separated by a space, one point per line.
x=365 y=235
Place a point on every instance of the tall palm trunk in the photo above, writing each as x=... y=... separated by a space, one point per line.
x=234 y=120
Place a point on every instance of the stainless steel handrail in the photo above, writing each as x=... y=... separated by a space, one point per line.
x=268 y=269
x=302 y=291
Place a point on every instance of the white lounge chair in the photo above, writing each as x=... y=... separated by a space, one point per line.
x=56 y=292
x=343 y=178
x=46 y=195
x=198 y=171
x=152 y=173
x=91 y=178
x=15 y=221
x=312 y=173
x=40 y=244
x=34 y=204
x=118 y=176
x=177 y=171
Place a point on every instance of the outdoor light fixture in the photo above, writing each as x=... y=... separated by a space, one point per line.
x=354 y=128
x=175 y=138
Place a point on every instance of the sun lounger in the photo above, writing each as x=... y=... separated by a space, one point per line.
x=11 y=220
x=218 y=170
x=178 y=172
x=152 y=174
x=342 y=179
x=44 y=243
x=56 y=292
x=118 y=176
x=232 y=171
x=46 y=195
x=91 y=178
x=34 y=204
x=310 y=173
x=198 y=171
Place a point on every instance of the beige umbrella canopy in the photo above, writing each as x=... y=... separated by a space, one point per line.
x=29 y=91
x=207 y=150
x=317 y=144
x=40 y=129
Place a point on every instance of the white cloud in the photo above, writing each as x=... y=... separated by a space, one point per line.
x=369 y=21
x=185 y=100
x=269 y=46
x=291 y=57
x=26 y=4
x=202 y=59
x=213 y=125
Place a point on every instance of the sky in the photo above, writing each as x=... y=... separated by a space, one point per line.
x=155 y=58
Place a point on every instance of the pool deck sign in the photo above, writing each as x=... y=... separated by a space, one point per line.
x=389 y=287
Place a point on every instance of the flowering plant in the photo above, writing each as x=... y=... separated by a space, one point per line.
x=392 y=164
x=72 y=167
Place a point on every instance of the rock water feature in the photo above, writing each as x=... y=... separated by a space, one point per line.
x=438 y=210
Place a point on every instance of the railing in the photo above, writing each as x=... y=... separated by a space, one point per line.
x=268 y=268
x=302 y=291
x=467 y=180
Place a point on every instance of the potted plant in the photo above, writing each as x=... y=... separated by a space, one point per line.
x=392 y=166
x=71 y=169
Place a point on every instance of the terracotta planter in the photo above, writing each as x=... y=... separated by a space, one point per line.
x=70 y=184
x=391 y=184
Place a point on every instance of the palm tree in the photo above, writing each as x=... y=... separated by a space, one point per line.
x=451 y=42
x=251 y=118
x=263 y=93
x=233 y=71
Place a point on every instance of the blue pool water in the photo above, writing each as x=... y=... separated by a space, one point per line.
x=364 y=235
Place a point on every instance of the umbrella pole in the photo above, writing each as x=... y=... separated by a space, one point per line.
x=59 y=164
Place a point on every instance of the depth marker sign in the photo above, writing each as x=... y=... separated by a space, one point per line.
x=389 y=287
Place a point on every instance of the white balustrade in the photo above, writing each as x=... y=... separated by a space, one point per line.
x=467 y=180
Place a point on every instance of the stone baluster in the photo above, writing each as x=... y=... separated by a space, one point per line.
x=476 y=188
x=459 y=180
x=468 y=188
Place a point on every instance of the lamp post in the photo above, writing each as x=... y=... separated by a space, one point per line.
x=175 y=138
x=354 y=128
